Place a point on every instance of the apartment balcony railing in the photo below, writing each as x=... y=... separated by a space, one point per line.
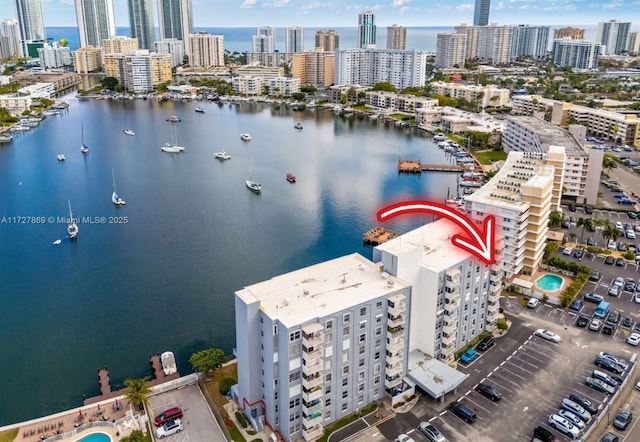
x=311 y=420
x=397 y=309
x=312 y=433
x=395 y=321
x=313 y=368
x=395 y=332
x=392 y=381
x=312 y=356
x=312 y=393
x=312 y=340
x=394 y=345
x=311 y=407
x=448 y=338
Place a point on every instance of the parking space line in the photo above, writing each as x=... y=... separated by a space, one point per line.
x=476 y=404
x=515 y=374
x=528 y=363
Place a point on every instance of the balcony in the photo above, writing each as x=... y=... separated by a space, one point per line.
x=449 y=327
x=312 y=394
x=496 y=276
x=394 y=370
x=393 y=345
x=395 y=321
x=313 y=433
x=310 y=357
x=448 y=338
x=310 y=420
x=394 y=358
x=311 y=382
x=312 y=369
x=395 y=332
x=312 y=339
x=492 y=309
x=452 y=285
x=311 y=407
x=396 y=305
x=392 y=381
x=448 y=351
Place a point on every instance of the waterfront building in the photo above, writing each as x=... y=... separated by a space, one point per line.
x=138 y=71
x=530 y=42
x=141 y=23
x=119 y=45
x=481 y=13
x=582 y=55
x=265 y=72
x=487 y=44
x=454 y=296
x=87 y=60
x=568 y=32
x=55 y=56
x=175 y=19
x=485 y=96
x=38 y=90
x=347 y=93
x=634 y=43
x=171 y=46
x=327 y=40
x=15 y=104
x=366 y=67
x=271 y=59
x=582 y=169
x=283 y=86
x=96 y=21
x=315 y=68
x=29 y=13
x=63 y=82
x=391 y=102
x=10 y=32
x=265 y=39
x=613 y=35
x=396 y=37
x=520 y=197
x=367 y=30
x=205 y=49
x=294 y=39
x=450 y=50
x=319 y=343
x=248 y=85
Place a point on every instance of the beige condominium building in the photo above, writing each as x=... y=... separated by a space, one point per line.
x=119 y=45
x=315 y=68
x=520 y=197
x=139 y=71
x=581 y=172
x=87 y=59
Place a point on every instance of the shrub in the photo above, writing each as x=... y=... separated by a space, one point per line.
x=629 y=255
x=226 y=384
x=241 y=419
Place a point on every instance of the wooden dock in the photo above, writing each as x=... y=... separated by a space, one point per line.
x=378 y=235
x=416 y=167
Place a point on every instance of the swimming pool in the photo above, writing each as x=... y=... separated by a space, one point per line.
x=549 y=282
x=96 y=437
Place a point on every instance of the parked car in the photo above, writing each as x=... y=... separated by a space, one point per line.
x=595 y=276
x=599 y=385
x=171 y=427
x=533 y=303
x=583 y=402
x=614 y=317
x=613 y=358
x=614 y=290
x=607 y=329
x=627 y=322
x=565 y=224
x=577 y=305
x=563 y=425
x=609 y=260
x=594 y=297
x=620 y=262
x=588 y=210
x=609 y=365
x=489 y=392
x=567 y=251
x=485 y=344
x=630 y=285
x=633 y=339
x=582 y=321
x=595 y=324
x=575 y=420
x=462 y=411
x=540 y=433
x=430 y=432
x=622 y=420
x=579 y=253
x=576 y=409
x=610 y=437
x=597 y=374
x=469 y=356
x=619 y=281
x=572 y=208
x=547 y=334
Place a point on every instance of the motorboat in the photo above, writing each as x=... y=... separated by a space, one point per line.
x=115 y=198
x=83 y=147
x=61 y=157
x=5 y=138
x=439 y=137
x=129 y=132
x=256 y=187
x=173 y=118
x=168 y=361
x=200 y=110
x=298 y=126
x=72 y=227
x=245 y=137
x=57 y=242
x=222 y=155
x=291 y=178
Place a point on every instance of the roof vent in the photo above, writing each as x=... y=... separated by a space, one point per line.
x=390 y=283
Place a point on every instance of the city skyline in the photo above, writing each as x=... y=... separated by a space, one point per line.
x=339 y=13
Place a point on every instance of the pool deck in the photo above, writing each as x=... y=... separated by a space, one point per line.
x=553 y=295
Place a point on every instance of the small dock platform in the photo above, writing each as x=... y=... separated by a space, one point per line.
x=416 y=167
x=378 y=235
x=408 y=166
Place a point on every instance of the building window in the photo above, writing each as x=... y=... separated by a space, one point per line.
x=327 y=402
x=345 y=406
x=376 y=380
x=363 y=311
x=376 y=368
x=345 y=382
x=345 y=370
x=345 y=331
x=362 y=338
x=275 y=329
x=360 y=398
x=345 y=394
x=361 y=363
x=363 y=325
x=327 y=377
x=294 y=336
x=378 y=331
x=379 y=305
x=377 y=355
x=378 y=319
x=327 y=390
x=346 y=318
x=361 y=375
x=329 y=324
x=294 y=376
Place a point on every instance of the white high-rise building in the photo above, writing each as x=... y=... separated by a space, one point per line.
x=367 y=30
x=613 y=35
x=30 y=21
x=577 y=54
x=367 y=67
x=96 y=21
x=173 y=47
x=490 y=44
x=54 y=56
x=205 y=50
x=451 y=48
x=265 y=39
x=10 y=29
x=317 y=344
x=175 y=19
x=294 y=39
x=530 y=41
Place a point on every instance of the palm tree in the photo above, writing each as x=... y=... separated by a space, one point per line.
x=610 y=232
x=608 y=163
x=138 y=391
x=582 y=223
x=550 y=248
x=555 y=219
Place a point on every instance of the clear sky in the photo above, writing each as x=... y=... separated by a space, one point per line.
x=339 y=13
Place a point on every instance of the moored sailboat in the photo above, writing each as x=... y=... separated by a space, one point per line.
x=115 y=198
x=72 y=227
x=83 y=148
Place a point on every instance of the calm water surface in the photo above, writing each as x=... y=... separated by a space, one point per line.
x=194 y=234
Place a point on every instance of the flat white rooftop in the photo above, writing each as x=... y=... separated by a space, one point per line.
x=433 y=376
x=320 y=290
x=434 y=239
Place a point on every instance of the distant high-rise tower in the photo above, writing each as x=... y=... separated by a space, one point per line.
x=96 y=21
x=141 y=22
x=396 y=37
x=481 y=13
x=265 y=39
x=30 y=21
x=294 y=39
x=575 y=33
x=10 y=30
x=175 y=19
x=327 y=40
x=613 y=35
x=367 y=30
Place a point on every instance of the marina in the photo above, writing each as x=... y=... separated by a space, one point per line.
x=411 y=166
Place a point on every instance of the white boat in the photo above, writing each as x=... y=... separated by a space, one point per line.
x=298 y=126
x=173 y=147
x=252 y=185
x=83 y=147
x=439 y=137
x=115 y=198
x=57 y=241
x=72 y=228
x=129 y=132
x=173 y=119
x=5 y=138
x=168 y=361
x=200 y=110
x=222 y=155
x=245 y=137
x=61 y=157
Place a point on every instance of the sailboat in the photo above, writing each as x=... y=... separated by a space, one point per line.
x=173 y=147
x=252 y=185
x=83 y=148
x=115 y=198
x=72 y=228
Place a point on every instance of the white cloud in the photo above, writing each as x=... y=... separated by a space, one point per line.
x=249 y=3
x=276 y=4
x=401 y=2
x=465 y=7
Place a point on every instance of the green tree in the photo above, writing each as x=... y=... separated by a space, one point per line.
x=583 y=223
x=135 y=436
x=308 y=89
x=550 y=248
x=109 y=83
x=226 y=384
x=610 y=232
x=502 y=324
x=138 y=390
x=298 y=96
x=608 y=163
x=555 y=219
x=384 y=86
x=206 y=361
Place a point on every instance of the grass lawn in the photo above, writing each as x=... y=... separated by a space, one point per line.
x=9 y=435
x=402 y=117
x=213 y=389
x=487 y=157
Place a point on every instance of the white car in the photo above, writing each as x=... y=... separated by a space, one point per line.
x=636 y=297
x=403 y=438
x=547 y=334
x=564 y=426
x=611 y=245
x=595 y=324
x=575 y=420
x=567 y=251
x=171 y=427
x=633 y=339
x=533 y=303
x=619 y=281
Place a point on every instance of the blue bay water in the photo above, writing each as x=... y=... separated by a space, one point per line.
x=194 y=235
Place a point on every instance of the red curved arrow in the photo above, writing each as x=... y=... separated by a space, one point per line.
x=480 y=244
